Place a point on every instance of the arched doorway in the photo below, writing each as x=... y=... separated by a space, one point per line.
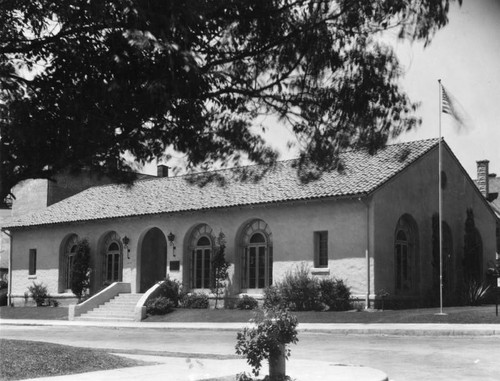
x=200 y=246
x=112 y=259
x=447 y=249
x=153 y=258
x=406 y=256
x=257 y=255
x=67 y=253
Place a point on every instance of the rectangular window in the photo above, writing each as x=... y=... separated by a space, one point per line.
x=206 y=268
x=262 y=267
x=32 y=262
x=109 y=267
x=321 y=249
x=116 y=267
x=198 y=269
x=252 y=268
x=245 y=268
x=175 y=265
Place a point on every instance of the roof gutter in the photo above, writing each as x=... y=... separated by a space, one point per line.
x=9 y=285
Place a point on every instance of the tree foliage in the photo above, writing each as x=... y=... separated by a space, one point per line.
x=83 y=82
x=273 y=330
x=472 y=260
x=80 y=270
x=220 y=269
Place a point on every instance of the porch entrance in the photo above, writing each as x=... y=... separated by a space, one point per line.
x=153 y=258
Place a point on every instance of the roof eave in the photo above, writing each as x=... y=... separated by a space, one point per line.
x=262 y=204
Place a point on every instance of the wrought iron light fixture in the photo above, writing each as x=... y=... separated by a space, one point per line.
x=126 y=241
x=171 y=239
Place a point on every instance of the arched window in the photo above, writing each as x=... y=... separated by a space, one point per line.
x=112 y=259
x=257 y=261
x=447 y=257
x=201 y=245
x=71 y=255
x=68 y=257
x=403 y=268
x=405 y=252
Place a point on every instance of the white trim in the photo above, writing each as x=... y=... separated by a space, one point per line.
x=320 y=271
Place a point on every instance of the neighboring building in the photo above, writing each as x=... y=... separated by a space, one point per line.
x=370 y=224
x=34 y=195
x=489 y=185
x=5 y=215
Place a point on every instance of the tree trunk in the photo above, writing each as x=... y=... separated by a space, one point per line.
x=277 y=364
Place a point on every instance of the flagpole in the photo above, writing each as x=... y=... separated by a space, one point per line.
x=440 y=195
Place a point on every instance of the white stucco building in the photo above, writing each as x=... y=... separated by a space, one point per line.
x=369 y=224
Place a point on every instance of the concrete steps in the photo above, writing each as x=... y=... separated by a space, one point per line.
x=120 y=308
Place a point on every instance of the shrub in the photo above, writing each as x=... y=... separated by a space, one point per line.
x=195 y=300
x=335 y=294
x=475 y=292
x=52 y=302
x=159 y=306
x=243 y=377
x=300 y=290
x=273 y=330
x=247 y=303
x=38 y=293
x=273 y=298
x=381 y=294
x=3 y=284
x=171 y=289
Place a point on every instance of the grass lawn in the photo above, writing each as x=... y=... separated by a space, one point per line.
x=458 y=315
x=44 y=313
x=29 y=359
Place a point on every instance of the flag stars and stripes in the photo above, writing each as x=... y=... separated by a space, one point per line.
x=450 y=106
x=446 y=105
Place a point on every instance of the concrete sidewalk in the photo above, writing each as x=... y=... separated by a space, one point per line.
x=182 y=369
x=343 y=328
x=191 y=366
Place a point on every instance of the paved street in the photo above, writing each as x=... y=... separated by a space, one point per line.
x=402 y=358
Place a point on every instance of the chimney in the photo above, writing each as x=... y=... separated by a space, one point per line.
x=162 y=170
x=482 y=177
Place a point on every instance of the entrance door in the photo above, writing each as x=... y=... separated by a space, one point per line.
x=153 y=258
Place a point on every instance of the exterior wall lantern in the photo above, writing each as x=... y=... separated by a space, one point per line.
x=171 y=239
x=126 y=241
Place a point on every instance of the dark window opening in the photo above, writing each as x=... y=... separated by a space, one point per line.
x=321 y=249
x=32 y=262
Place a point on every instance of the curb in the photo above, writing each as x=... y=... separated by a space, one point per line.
x=335 y=329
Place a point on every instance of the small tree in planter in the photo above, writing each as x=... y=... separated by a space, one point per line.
x=39 y=293
x=274 y=330
x=220 y=269
x=80 y=270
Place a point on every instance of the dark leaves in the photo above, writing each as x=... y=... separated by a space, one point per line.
x=127 y=76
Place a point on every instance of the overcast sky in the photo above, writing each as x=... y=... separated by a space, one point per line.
x=465 y=55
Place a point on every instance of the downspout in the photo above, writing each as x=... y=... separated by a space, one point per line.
x=9 y=285
x=367 y=253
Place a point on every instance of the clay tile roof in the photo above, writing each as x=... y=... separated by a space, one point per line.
x=362 y=174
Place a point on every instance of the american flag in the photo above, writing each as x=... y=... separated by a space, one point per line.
x=451 y=107
x=447 y=105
